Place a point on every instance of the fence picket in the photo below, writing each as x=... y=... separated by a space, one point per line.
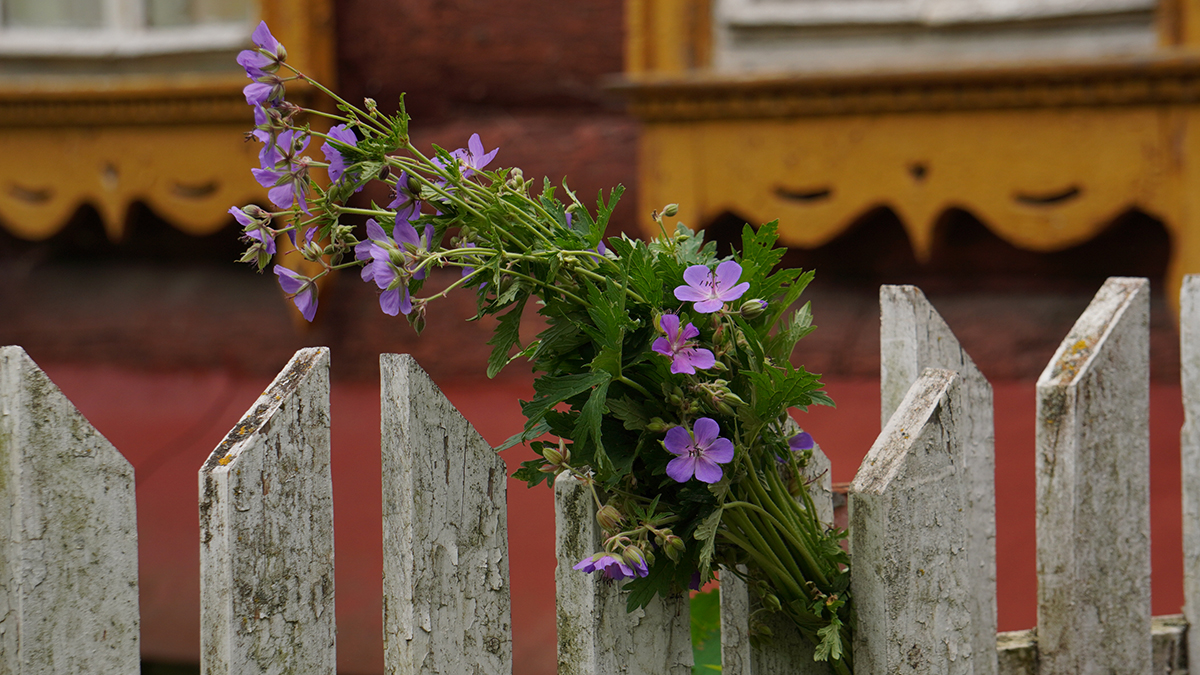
x=445 y=533
x=788 y=651
x=68 y=534
x=266 y=533
x=1093 y=490
x=1189 y=450
x=596 y=636
x=913 y=337
x=909 y=526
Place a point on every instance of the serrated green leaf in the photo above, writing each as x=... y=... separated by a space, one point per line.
x=550 y=391
x=632 y=415
x=587 y=428
x=707 y=533
x=507 y=335
x=531 y=473
x=830 y=647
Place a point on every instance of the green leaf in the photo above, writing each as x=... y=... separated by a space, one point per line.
x=831 y=642
x=507 y=335
x=588 y=426
x=632 y=414
x=781 y=345
x=527 y=434
x=550 y=391
x=707 y=533
x=531 y=473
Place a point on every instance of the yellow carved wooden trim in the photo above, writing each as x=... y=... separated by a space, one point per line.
x=1170 y=77
x=174 y=143
x=190 y=177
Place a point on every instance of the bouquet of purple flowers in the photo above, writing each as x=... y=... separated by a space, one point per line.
x=663 y=375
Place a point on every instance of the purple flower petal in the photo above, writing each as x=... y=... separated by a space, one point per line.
x=678 y=441
x=257 y=93
x=727 y=274
x=721 y=451
x=262 y=37
x=801 y=441
x=389 y=302
x=705 y=430
x=663 y=346
x=698 y=276
x=681 y=469
x=288 y=280
x=707 y=471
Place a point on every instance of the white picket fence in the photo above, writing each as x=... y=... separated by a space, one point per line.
x=922 y=522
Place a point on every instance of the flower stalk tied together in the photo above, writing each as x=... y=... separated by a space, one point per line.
x=664 y=374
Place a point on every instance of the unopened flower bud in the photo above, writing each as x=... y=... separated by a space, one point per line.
x=417 y=317
x=752 y=309
x=634 y=557
x=676 y=543
x=670 y=210
x=370 y=104
x=657 y=425
x=609 y=517
x=771 y=602
x=552 y=455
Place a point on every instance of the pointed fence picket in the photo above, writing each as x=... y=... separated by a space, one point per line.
x=922 y=515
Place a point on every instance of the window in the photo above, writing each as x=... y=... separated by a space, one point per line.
x=118 y=105
x=121 y=36
x=811 y=35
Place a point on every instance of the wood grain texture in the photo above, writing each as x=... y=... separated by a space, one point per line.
x=266 y=533
x=1189 y=450
x=446 y=602
x=68 y=535
x=909 y=525
x=1093 y=490
x=913 y=337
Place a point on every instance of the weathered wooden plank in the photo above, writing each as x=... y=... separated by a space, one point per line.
x=445 y=533
x=266 y=533
x=1093 y=490
x=1189 y=451
x=1019 y=656
x=596 y=636
x=68 y=534
x=913 y=337
x=789 y=651
x=908 y=533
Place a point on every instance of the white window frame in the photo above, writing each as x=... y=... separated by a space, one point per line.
x=764 y=13
x=123 y=35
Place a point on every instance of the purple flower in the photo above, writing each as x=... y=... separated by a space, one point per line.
x=266 y=58
x=406 y=203
x=255 y=229
x=391 y=262
x=801 y=441
x=678 y=345
x=473 y=158
x=697 y=453
x=337 y=163
x=265 y=88
x=284 y=188
x=710 y=290
x=612 y=566
x=285 y=150
x=301 y=289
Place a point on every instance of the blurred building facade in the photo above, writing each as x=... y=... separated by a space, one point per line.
x=1005 y=155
